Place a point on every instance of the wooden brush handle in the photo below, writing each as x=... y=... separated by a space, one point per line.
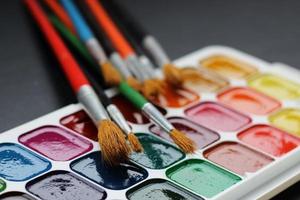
x=67 y=62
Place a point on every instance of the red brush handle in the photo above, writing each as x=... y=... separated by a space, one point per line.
x=68 y=63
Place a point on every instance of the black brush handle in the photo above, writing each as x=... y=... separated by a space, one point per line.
x=135 y=28
x=99 y=33
x=96 y=82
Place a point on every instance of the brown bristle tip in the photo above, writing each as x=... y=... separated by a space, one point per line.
x=112 y=141
x=134 y=143
x=172 y=75
x=135 y=84
x=152 y=88
x=111 y=75
x=185 y=143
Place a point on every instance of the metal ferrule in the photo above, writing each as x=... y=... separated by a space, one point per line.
x=153 y=113
x=119 y=63
x=155 y=49
x=96 y=50
x=89 y=99
x=136 y=68
x=148 y=65
x=118 y=117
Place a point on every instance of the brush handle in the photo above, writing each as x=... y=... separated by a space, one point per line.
x=132 y=95
x=111 y=30
x=68 y=64
x=77 y=79
x=98 y=31
x=85 y=33
x=127 y=19
x=149 y=42
x=67 y=34
x=60 y=13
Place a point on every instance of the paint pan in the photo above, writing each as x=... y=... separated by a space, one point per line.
x=131 y=113
x=19 y=164
x=269 y=139
x=217 y=117
x=228 y=67
x=63 y=185
x=202 y=177
x=81 y=123
x=56 y=143
x=237 y=158
x=200 y=135
x=174 y=97
x=248 y=101
x=157 y=154
x=16 y=196
x=2 y=185
x=57 y=156
x=118 y=178
x=159 y=189
x=205 y=81
x=287 y=119
x=275 y=86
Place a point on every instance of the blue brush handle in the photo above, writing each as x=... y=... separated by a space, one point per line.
x=81 y=26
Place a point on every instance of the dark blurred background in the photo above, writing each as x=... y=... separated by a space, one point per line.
x=31 y=84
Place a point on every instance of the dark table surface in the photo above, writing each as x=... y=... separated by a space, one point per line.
x=32 y=85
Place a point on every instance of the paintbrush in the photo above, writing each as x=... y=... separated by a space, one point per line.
x=149 y=110
x=59 y=11
x=112 y=109
x=112 y=141
x=173 y=75
x=151 y=86
x=111 y=75
x=113 y=55
x=131 y=40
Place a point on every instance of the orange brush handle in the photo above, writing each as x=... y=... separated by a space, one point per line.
x=68 y=63
x=112 y=31
x=60 y=13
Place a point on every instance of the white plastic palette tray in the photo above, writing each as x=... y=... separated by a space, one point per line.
x=263 y=184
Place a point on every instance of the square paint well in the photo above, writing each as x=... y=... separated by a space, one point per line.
x=56 y=143
x=19 y=164
x=157 y=154
x=248 y=101
x=159 y=189
x=16 y=196
x=174 y=97
x=81 y=123
x=217 y=117
x=269 y=139
x=228 y=67
x=2 y=185
x=288 y=120
x=275 y=86
x=204 y=81
x=237 y=158
x=200 y=135
x=202 y=177
x=63 y=185
x=118 y=178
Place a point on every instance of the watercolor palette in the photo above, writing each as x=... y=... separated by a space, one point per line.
x=243 y=114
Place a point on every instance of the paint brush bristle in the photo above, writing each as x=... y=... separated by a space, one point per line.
x=111 y=75
x=113 y=143
x=134 y=143
x=184 y=143
x=152 y=88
